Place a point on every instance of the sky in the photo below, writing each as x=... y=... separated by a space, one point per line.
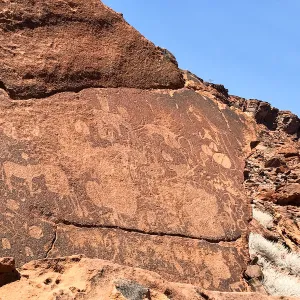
x=250 y=46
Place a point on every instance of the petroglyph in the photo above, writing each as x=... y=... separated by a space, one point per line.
x=216 y=268
x=203 y=210
x=82 y=127
x=169 y=137
x=120 y=160
x=222 y=159
x=28 y=252
x=56 y=179
x=119 y=197
x=110 y=123
x=6 y=243
x=36 y=232
x=189 y=260
x=12 y=205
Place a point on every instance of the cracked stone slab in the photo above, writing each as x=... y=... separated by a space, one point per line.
x=211 y=266
x=49 y=46
x=158 y=162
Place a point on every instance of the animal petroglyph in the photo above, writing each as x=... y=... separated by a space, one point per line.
x=220 y=158
x=169 y=137
x=190 y=260
x=56 y=179
x=108 y=159
x=203 y=210
x=117 y=196
x=110 y=123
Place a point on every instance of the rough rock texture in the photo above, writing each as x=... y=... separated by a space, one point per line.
x=272 y=178
x=50 y=46
x=8 y=271
x=272 y=168
x=107 y=167
x=213 y=91
x=262 y=112
x=7 y=264
x=150 y=179
x=272 y=182
x=90 y=279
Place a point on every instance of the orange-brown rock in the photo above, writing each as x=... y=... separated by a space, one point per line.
x=77 y=277
x=106 y=166
x=8 y=272
x=288 y=194
x=50 y=46
x=7 y=264
x=149 y=179
x=272 y=179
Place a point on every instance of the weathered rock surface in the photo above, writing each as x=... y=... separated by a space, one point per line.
x=149 y=179
x=50 y=46
x=262 y=112
x=7 y=264
x=144 y=178
x=8 y=271
x=82 y=278
x=272 y=181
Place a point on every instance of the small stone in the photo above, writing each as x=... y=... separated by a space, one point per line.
x=254 y=271
x=274 y=162
x=7 y=264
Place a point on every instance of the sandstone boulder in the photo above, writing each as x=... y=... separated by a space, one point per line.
x=50 y=46
x=288 y=194
x=8 y=272
x=288 y=122
x=106 y=166
x=7 y=264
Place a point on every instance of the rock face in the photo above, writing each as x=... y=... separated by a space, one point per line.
x=82 y=278
x=128 y=159
x=272 y=182
x=50 y=46
x=149 y=179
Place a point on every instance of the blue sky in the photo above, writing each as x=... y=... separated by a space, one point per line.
x=250 y=46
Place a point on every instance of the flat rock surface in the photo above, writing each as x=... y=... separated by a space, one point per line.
x=126 y=170
x=77 y=277
x=49 y=46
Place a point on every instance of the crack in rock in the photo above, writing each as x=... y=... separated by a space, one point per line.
x=150 y=233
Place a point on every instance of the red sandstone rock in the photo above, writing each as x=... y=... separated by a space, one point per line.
x=288 y=122
x=253 y=271
x=147 y=179
x=150 y=179
x=289 y=194
x=7 y=264
x=215 y=91
x=8 y=273
x=82 y=278
x=50 y=46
